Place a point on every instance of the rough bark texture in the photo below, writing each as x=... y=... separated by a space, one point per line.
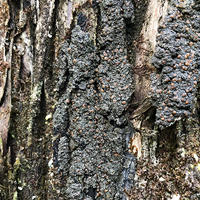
x=99 y=99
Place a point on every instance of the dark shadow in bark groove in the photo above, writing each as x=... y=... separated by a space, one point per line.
x=98 y=13
x=198 y=99
x=3 y=99
x=15 y=8
x=26 y=4
x=92 y=192
x=39 y=121
x=13 y=148
x=82 y=21
x=167 y=142
x=133 y=30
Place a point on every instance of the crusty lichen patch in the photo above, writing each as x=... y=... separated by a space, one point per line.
x=168 y=168
x=94 y=88
x=176 y=59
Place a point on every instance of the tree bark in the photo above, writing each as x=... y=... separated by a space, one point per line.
x=99 y=99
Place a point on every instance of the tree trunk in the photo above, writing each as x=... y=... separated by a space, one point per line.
x=99 y=99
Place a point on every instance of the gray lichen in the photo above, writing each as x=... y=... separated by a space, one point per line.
x=177 y=61
x=94 y=88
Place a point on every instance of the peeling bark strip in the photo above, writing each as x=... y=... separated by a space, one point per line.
x=91 y=114
x=5 y=90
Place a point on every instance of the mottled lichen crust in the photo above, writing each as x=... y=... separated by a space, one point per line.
x=95 y=87
x=177 y=61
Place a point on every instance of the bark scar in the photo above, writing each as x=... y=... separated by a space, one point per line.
x=142 y=108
